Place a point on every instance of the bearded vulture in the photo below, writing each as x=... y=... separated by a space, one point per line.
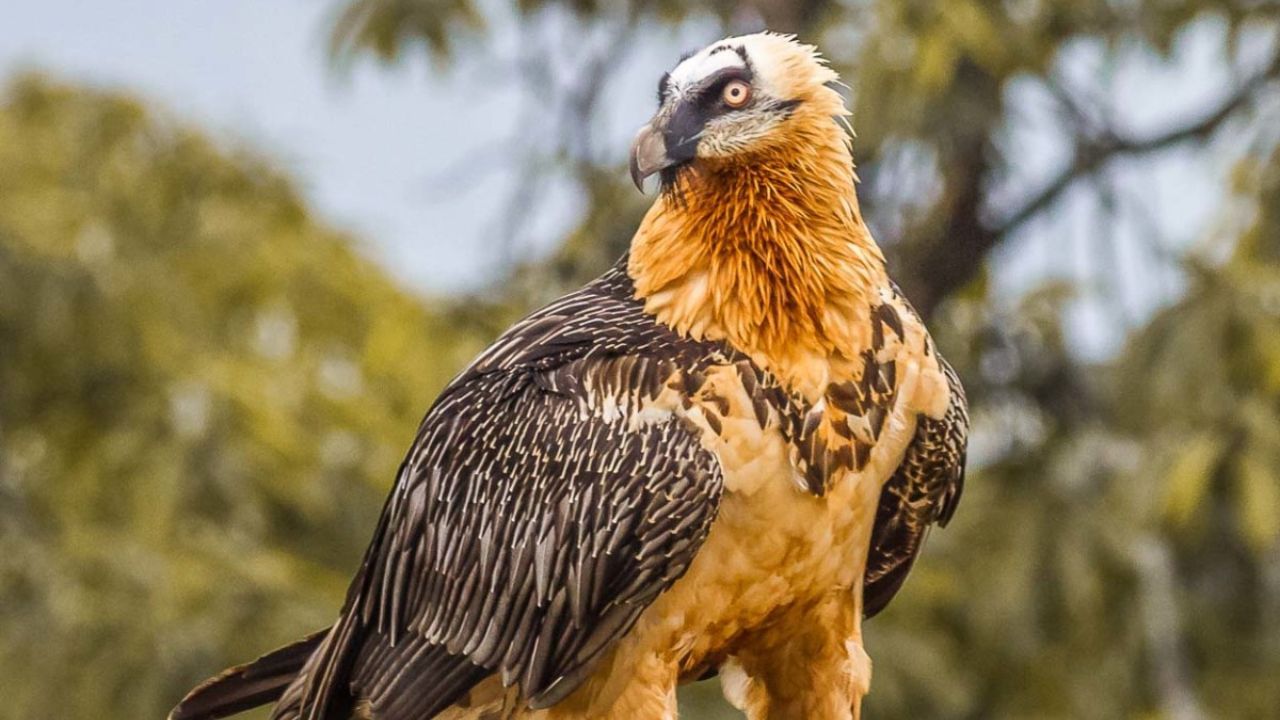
x=717 y=458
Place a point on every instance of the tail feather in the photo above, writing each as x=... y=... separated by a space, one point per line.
x=247 y=686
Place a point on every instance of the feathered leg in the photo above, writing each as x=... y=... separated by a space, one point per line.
x=814 y=669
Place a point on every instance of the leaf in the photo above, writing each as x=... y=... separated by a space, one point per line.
x=1188 y=479
x=936 y=63
x=1257 y=496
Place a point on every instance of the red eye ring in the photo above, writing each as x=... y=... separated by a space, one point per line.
x=736 y=93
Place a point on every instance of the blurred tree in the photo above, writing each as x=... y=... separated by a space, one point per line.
x=937 y=141
x=204 y=391
x=1116 y=554
x=204 y=394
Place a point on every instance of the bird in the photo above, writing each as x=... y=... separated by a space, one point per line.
x=716 y=459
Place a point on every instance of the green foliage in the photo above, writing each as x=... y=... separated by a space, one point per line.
x=386 y=27
x=1119 y=557
x=204 y=394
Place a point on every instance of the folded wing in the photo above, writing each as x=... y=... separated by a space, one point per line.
x=923 y=491
x=543 y=506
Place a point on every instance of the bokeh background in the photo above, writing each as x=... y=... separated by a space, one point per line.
x=243 y=243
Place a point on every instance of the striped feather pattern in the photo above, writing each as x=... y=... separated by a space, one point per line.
x=923 y=491
x=534 y=519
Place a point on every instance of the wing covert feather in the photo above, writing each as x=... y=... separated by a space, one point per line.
x=923 y=491
x=536 y=516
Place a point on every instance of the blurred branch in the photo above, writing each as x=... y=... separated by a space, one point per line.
x=574 y=95
x=792 y=17
x=1158 y=606
x=1092 y=155
x=945 y=263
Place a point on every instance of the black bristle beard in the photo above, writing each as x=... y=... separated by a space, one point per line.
x=669 y=185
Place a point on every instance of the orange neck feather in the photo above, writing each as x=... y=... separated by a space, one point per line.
x=769 y=252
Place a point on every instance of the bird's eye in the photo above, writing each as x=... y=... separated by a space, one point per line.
x=736 y=94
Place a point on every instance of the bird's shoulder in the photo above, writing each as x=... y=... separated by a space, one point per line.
x=600 y=321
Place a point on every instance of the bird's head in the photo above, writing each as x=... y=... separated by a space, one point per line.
x=757 y=238
x=734 y=101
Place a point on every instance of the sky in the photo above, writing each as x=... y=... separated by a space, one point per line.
x=364 y=143
x=378 y=149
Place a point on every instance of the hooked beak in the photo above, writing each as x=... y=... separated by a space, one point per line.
x=648 y=155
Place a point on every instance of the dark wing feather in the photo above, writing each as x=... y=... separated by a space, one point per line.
x=534 y=519
x=247 y=686
x=924 y=490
